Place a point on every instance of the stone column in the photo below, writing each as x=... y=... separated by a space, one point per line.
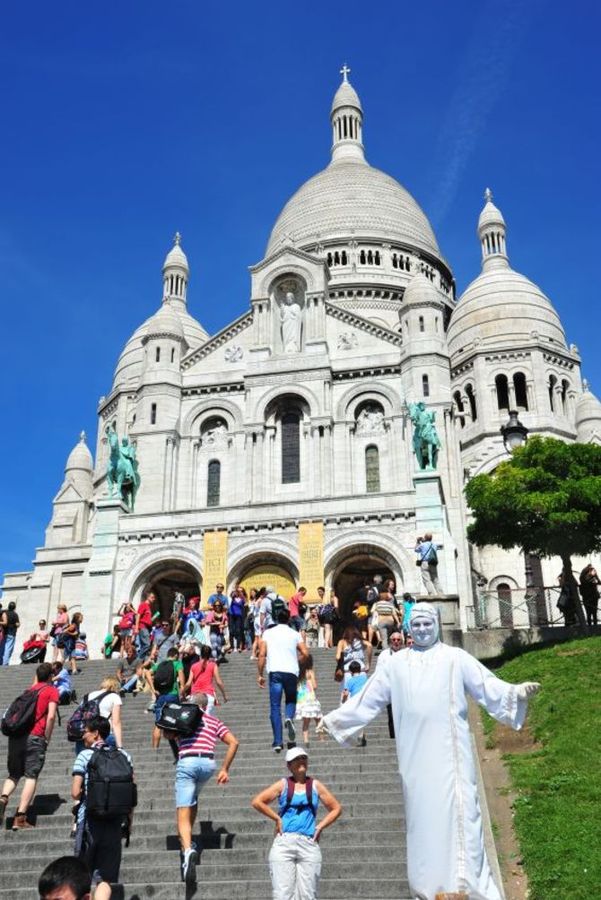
x=98 y=581
x=194 y=479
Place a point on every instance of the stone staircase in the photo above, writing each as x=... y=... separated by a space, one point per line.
x=364 y=852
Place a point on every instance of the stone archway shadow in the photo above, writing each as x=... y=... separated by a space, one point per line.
x=165 y=577
x=347 y=568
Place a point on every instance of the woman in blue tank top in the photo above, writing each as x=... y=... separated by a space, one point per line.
x=295 y=856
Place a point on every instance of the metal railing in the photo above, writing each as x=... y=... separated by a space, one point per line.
x=518 y=608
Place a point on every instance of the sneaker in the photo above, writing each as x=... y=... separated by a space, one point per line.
x=277 y=748
x=150 y=707
x=291 y=730
x=189 y=866
x=20 y=822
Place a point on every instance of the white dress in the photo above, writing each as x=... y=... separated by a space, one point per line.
x=427 y=689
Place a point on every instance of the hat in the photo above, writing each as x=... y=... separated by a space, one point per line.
x=294 y=753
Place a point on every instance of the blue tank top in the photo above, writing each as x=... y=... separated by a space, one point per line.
x=298 y=818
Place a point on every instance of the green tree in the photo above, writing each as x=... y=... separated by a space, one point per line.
x=545 y=499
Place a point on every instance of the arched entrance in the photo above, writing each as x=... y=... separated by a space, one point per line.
x=266 y=569
x=354 y=566
x=168 y=578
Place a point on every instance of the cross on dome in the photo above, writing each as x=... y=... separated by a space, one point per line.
x=345 y=71
x=488 y=195
x=177 y=239
x=82 y=437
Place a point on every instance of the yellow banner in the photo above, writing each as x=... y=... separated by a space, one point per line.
x=310 y=555
x=215 y=562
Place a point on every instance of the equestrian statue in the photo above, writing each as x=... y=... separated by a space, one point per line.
x=426 y=442
x=122 y=476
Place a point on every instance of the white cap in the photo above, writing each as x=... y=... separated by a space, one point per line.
x=294 y=753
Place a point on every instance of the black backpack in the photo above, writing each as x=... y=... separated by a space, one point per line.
x=87 y=709
x=19 y=718
x=278 y=604
x=111 y=792
x=183 y=718
x=164 y=676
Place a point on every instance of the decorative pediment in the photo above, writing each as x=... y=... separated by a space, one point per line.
x=68 y=493
x=225 y=340
x=349 y=338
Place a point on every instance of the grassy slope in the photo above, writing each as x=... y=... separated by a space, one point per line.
x=558 y=809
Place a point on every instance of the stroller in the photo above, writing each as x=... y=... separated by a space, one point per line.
x=33 y=652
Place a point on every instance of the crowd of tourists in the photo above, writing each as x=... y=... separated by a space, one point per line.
x=175 y=655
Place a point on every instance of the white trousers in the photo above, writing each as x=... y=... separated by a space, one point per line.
x=295 y=867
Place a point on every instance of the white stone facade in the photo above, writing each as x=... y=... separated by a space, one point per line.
x=351 y=316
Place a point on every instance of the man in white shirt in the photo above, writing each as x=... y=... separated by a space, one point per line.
x=279 y=652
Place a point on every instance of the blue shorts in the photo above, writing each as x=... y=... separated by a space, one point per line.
x=190 y=775
x=160 y=702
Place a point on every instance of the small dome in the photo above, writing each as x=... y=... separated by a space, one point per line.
x=80 y=457
x=165 y=322
x=176 y=258
x=420 y=290
x=502 y=307
x=588 y=408
x=346 y=95
x=490 y=215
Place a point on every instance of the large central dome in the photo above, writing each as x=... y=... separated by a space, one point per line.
x=352 y=200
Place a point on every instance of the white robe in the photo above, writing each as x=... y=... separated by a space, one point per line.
x=427 y=689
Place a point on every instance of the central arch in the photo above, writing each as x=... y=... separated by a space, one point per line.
x=165 y=579
x=266 y=569
x=349 y=568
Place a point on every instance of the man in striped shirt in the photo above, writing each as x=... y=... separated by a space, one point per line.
x=195 y=766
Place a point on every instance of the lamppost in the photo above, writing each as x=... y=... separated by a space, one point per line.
x=514 y=434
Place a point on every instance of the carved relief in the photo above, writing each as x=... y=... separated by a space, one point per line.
x=347 y=340
x=370 y=420
x=234 y=353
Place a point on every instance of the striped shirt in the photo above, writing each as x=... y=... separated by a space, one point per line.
x=210 y=730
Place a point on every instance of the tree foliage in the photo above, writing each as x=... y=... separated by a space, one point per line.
x=545 y=499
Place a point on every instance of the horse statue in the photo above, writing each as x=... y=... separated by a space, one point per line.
x=426 y=442
x=122 y=476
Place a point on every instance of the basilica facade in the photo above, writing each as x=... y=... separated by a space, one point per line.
x=280 y=450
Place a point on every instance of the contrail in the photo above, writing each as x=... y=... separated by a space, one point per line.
x=495 y=42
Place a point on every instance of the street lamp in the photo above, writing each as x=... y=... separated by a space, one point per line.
x=514 y=433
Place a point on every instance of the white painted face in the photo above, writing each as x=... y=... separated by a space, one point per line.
x=424 y=631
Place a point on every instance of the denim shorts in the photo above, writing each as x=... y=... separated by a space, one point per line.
x=190 y=775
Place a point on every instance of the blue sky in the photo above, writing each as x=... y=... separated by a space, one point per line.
x=124 y=122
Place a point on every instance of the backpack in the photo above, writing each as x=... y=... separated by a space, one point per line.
x=19 y=718
x=291 y=783
x=87 y=709
x=432 y=556
x=164 y=676
x=302 y=609
x=278 y=605
x=110 y=792
x=326 y=613
x=183 y=718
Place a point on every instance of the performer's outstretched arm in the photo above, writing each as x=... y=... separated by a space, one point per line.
x=343 y=723
x=505 y=702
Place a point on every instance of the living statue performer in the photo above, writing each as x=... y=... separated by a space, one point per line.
x=122 y=476
x=428 y=685
x=291 y=317
x=426 y=442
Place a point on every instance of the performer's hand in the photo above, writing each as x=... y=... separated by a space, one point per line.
x=321 y=727
x=527 y=689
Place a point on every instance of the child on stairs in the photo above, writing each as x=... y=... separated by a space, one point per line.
x=307 y=705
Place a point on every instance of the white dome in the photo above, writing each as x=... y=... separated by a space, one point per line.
x=165 y=322
x=80 y=457
x=346 y=95
x=176 y=258
x=129 y=365
x=490 y=215
x=352 y=200
x=502 y=307
x=420 y=290
x=588 y=408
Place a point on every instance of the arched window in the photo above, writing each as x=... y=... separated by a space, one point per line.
x=362 y=257
x=394 y=261
x=425 y=386
x=471 y=398
x=370 y=257
x=377 y=257
x=552 y=387
x=336 y=258
x=213 y=482
x=521 y=392
x=505 y=605
x=372 y=469
x=459 y=408
x=290 y=448
x=343 y=258
x=173 y=354
x=153 y=413
x=502 y=391
x=329 y=259
x=564 y=396
x=422 y=326
x=158 y=354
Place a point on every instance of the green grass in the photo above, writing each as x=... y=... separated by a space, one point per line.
x=558 y=807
